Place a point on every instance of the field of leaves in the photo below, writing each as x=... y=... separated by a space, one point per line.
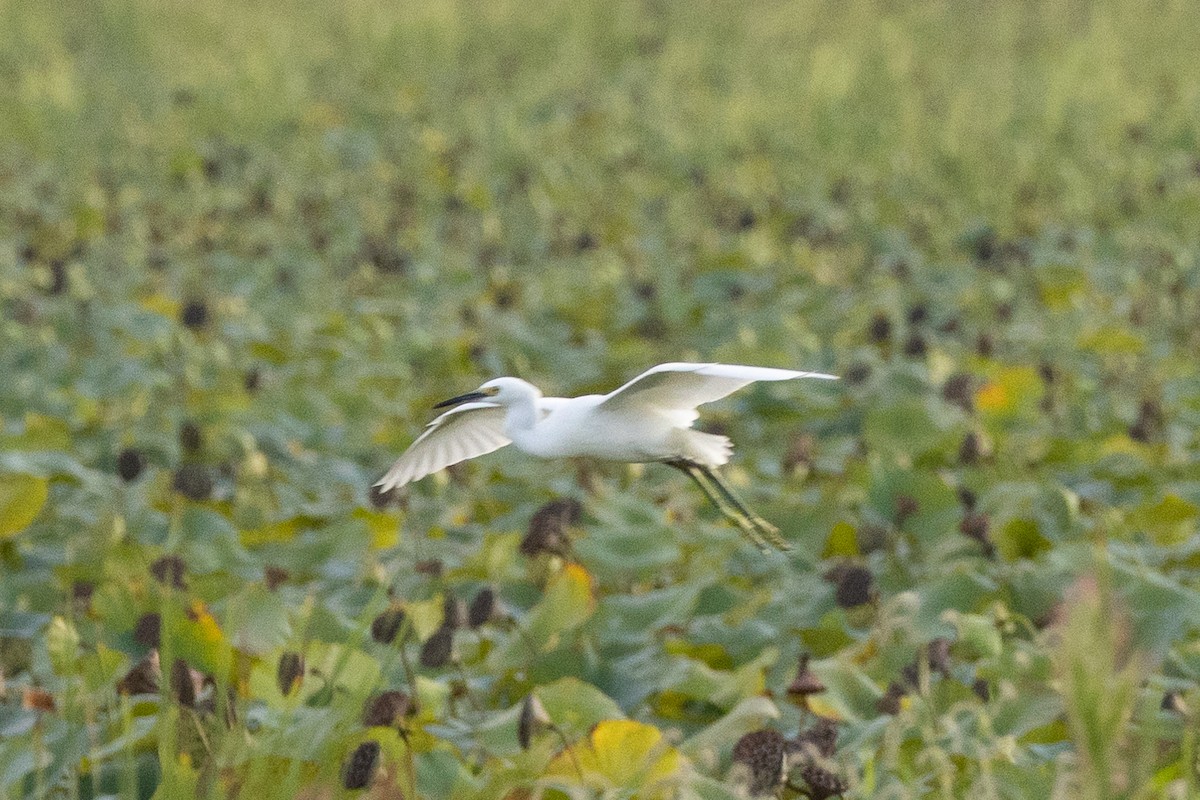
x=244 y=247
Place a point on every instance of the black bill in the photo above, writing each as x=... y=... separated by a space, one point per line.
x=462 y=398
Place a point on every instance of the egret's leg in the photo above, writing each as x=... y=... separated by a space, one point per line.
x=766 y=529
x=716 y=497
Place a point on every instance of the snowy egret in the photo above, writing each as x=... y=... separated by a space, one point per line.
x=648 y=419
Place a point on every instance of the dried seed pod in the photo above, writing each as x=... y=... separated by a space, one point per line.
x=438 y=648
x=193 y=482
x=274 y=577
x=938 y=653
x=890 y=702
x=168 y=570
x=58 y=276
x=818 y=742
x=454 y=612
x=857 y=374
x=185 y=683
x=432 y=568
x=81 y=595
x=1149 y=423
x=915 y=346
x=1173 y=702
x=799 y=453
x=194 y=314
x=976 y=526
x=806 y=681
x=1047 y=373
x=143 y=677
x=959 y=390
x=967 y=498
x=823 y=783
x=872 y=537
x=387 y=708
x=290 y=672
x=855 y=586
x=645 y=290
x=360 y=767
x=906 y=506
x=385 y=626
x=533 y=717
x=381 y=499
x=130 y=463
x=880 y=330
x=191 y=439
x=762 y=753
x=485 y=607
x=147 y=629
x=983 y=244
x=548 y=527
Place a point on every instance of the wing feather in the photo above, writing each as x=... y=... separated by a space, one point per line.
x=464 y=432
x=682 y=387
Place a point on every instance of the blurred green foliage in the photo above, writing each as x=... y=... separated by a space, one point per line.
x=244 y=247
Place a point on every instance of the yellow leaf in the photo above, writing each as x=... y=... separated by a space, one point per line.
x=993 y=397
x=206 y=624
x=621 y=754
x=384 y=527
x=161 y=304
x=199 y=640
x=568 y=603
x=1170 y=521
x=425 y=616
x=266 y=351
x=843 y=541
x=1009 y=390
x=42 y=433
x=710 y=653
x=282 y=531
x=823 y=707
x=21 y=500
x=1114 y=340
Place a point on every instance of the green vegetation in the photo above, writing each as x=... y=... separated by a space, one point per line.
x=245 y=246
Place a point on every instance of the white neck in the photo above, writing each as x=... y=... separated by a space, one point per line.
x=521 y=416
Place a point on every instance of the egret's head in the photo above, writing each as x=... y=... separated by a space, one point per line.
x=501 y=391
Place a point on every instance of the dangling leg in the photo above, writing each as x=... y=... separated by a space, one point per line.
x=766 y=529
x=717 y=498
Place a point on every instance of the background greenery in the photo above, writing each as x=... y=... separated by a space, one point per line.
x=245 y=246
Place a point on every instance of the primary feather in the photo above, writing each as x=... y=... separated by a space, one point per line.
x=467 y=431
x=682 y=387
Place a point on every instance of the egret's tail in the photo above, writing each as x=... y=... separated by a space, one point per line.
x=706 y=449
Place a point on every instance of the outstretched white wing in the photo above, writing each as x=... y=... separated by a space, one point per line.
x=463 y=432
x=682 y=387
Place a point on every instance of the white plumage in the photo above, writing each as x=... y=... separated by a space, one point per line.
x=648 y=419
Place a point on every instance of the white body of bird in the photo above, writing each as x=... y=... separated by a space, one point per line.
x=648 y=419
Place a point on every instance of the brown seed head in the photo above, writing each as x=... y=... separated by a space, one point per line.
x=360 y=767
x=387 y=708
x=533 y=717
x=762 y=752
x=290 y=673
x=385 y=626
x=438 y=648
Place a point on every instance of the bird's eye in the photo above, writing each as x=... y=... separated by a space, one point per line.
x=492 y=391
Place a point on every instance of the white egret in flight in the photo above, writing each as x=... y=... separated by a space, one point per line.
x=648 y=419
